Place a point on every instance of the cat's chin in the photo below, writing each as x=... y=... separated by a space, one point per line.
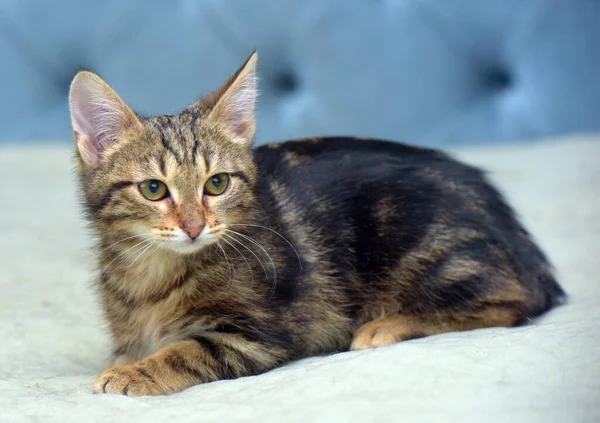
x=187 y=247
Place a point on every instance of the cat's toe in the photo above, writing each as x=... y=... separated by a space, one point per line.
x=383 y=332
x=125 y=380
x=384 y=337
x=363 y=338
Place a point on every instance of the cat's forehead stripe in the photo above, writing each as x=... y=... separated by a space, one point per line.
x=195 y=151
x=165 y=130
x=176 y=154
x=163 y=169
x=179 y=138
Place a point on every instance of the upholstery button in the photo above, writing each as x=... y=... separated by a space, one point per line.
x=285 y=82
x=498 y=79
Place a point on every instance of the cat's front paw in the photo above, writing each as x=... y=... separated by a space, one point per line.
x=133 y=381
x=384 y=332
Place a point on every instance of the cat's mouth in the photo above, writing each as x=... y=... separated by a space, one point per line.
x=186 y=245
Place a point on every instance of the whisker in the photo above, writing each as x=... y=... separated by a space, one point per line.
x=251 y=252
x=266 y=253
x=123 y=253
x=243 y=257
x=228 y=267
x=276 y=233
x=263 y=211
x=146 y=248
x=157 y=246
x=118 y=242
x=253 y=241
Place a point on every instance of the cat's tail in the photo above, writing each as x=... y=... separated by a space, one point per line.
x=549 y=294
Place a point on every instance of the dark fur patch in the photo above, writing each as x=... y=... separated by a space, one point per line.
x=212 y=348
x=180 y=364
x=108 y=196
x=147 y=375
x=162 y=166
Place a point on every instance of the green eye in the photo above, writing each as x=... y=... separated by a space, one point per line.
x=154 y=190
x=217 y=184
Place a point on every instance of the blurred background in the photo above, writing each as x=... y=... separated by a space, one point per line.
x=431 y=72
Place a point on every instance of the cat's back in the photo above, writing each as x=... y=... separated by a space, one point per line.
x=332 y=171
x=320 y=165
x=345 y=154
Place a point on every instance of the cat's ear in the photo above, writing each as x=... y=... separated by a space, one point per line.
x=234 y=103
x=98 y=115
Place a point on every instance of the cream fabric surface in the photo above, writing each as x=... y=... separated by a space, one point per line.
x=53 y=345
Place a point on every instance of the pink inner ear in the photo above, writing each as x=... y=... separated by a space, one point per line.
x=88 y=150
x=98 y=116
x=243 y=127
x=235 y=108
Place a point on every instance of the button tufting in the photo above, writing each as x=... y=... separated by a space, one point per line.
x=498 y=79
x=285 y=82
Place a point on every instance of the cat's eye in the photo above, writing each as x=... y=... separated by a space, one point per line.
x=154 y=190
x=216 y=184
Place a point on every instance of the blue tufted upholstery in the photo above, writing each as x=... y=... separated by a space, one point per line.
x=434 y=72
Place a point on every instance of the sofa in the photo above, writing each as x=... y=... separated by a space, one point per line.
x=430 y=72
x=511 y=86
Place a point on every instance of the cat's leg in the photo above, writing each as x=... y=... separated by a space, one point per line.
x=186 y=364
x=456 y=286
x=126 y=352
x=392 y=329
x=123 y=360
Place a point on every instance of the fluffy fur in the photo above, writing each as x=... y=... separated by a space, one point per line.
x=316 y=246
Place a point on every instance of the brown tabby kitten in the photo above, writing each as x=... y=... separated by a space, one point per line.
x=218 y=261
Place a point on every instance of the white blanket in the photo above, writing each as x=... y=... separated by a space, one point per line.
x=53 y=345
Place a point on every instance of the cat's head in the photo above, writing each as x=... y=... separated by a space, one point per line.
x=176 y=181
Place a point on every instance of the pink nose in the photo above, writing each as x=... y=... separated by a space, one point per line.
x=193 y=231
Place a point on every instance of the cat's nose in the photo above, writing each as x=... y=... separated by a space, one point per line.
x=193 y=231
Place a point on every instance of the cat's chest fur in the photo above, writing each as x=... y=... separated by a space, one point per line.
x=151 y=326
x=148 y=304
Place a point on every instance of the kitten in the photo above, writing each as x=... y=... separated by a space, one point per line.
x=219 y=261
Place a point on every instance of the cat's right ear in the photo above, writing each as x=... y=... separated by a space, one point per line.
x=98 y=115
x=233 y=104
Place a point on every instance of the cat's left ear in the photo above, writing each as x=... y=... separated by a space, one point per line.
x=234 y=103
